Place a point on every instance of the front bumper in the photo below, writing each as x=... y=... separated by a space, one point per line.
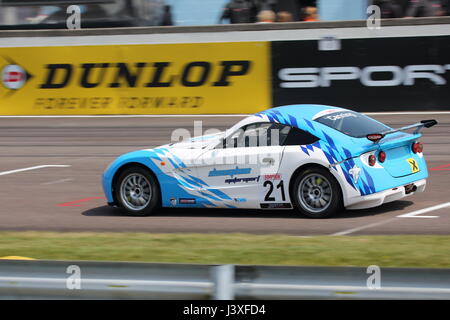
x=385 y=196
x=107 y=186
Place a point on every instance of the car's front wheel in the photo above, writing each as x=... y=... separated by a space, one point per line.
x=316 y=193
x=137 y=191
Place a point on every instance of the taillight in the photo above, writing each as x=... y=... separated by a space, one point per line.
x=372 y=160
x=417 y=147
x=382 y=156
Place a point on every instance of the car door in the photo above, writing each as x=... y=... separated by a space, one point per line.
x=241 y=163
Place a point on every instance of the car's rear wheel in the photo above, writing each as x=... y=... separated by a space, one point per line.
x=137 y=191
x=316 y=193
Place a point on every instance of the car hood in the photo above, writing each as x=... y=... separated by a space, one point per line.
x=181 y=154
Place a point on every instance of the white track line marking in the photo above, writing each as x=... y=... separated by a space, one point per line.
x=4 y=173
x=415 y=214
x=57 y=181
x=367 y=226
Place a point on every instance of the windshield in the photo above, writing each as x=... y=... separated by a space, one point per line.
x=352 y=123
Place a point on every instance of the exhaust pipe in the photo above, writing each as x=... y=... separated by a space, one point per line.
x=410 y=188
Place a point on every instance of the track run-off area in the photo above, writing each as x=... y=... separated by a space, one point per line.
x=51 y=171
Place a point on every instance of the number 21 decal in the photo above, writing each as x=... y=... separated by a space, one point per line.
x=280 y=186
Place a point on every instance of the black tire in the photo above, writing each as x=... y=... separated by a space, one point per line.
x=313 y=182
x=131 y=196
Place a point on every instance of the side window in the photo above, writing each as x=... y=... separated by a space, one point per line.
x=278 y=134
x=256 y=135
x=299 y=137
x=232 y=141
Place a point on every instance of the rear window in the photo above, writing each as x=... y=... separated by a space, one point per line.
x=352 y=123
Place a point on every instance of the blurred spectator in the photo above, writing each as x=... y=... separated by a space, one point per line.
x=303 y=5
x=426 y=8
x=266 y=5
x=311 y=14
x=266 y=16
x=284 y=16
x=167 y=18
x=249 y=11
x=390 y=9
x=239 y=11
x=446 y=7
x=291 y=6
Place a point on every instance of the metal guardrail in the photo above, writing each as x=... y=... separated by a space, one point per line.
x=121 y=280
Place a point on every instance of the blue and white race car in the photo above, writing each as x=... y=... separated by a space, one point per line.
x=314 y=159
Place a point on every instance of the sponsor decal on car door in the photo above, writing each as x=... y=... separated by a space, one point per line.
x=241 y=173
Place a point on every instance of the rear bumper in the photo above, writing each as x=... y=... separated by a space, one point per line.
x=385 y=196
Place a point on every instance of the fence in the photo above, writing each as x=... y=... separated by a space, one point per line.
x=121 y=280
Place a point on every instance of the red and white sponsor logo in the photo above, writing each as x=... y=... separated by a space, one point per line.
x=276 y=176
x=13 y=76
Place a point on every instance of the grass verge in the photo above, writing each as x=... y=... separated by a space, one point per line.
x=386 y=251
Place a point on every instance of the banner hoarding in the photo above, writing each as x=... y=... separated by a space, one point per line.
x=136 y=79
x=370 y=74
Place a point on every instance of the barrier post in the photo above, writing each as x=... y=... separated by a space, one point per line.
x=223 y=279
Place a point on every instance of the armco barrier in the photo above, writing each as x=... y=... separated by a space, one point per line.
x=226 y=69
x=120 y=280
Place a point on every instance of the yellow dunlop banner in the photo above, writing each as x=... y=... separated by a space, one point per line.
x=205 y=78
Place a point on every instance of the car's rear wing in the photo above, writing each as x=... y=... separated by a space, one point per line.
x=376 y=137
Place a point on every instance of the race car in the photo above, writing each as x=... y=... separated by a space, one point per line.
x=313 y=159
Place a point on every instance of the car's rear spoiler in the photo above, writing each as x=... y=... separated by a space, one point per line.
x=375 y=137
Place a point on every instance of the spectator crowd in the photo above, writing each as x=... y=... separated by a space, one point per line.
x=413 y=8
x=268 y=11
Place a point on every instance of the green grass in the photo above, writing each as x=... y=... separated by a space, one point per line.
x=385 y=251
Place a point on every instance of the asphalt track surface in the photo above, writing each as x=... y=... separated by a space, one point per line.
x=71 y=198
